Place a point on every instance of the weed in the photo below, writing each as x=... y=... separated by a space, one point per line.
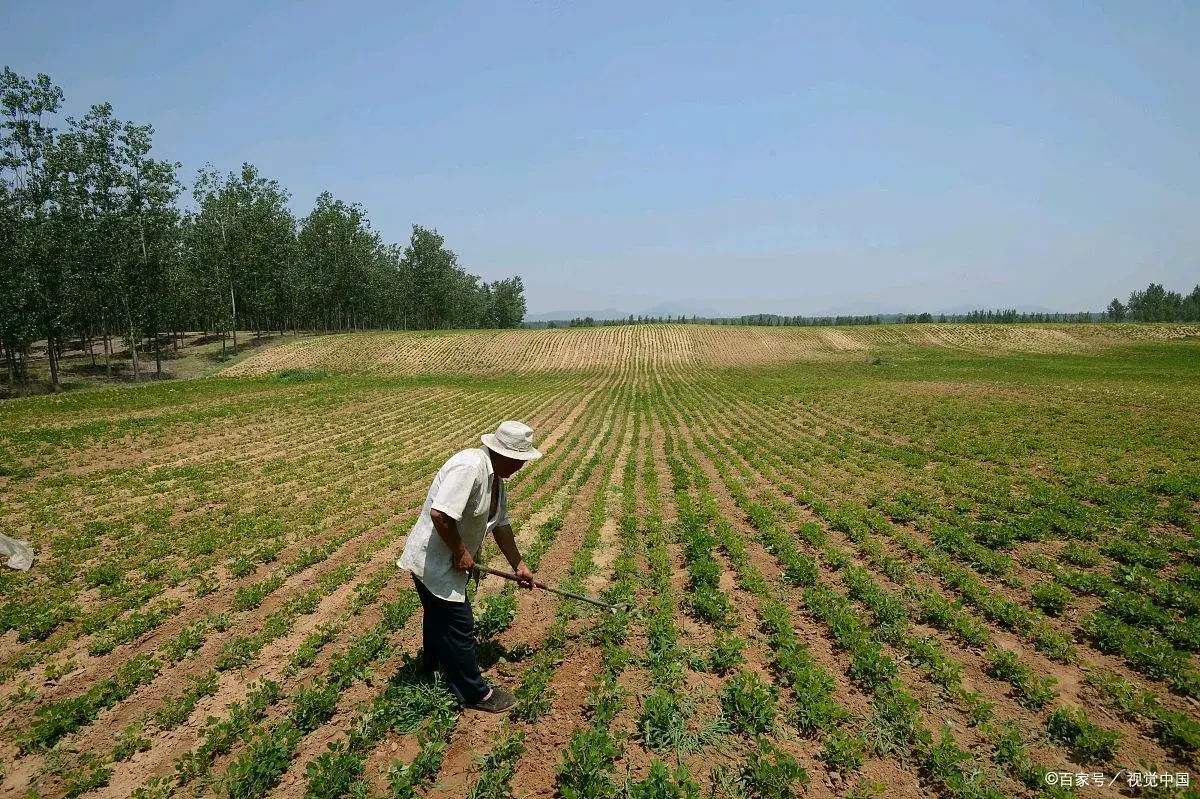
x=175 y=710
x=871 y=668
x=251 y=596
x=1037 y=692
x=306 y=654
x=1122 y=695
x=663 y=723
x=186 y=643
x=771 y=773
x=56 y=720
x=205 y=584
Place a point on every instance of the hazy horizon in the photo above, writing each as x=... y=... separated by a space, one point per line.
x=761 y=158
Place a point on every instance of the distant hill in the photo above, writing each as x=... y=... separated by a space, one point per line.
x=555 y=316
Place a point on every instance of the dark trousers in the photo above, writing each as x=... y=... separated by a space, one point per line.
x=448 y=630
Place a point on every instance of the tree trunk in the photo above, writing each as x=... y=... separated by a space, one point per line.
x=10 y=360
x=52 y=352
x=107 y=348
x=157 y=356
x=92 y=349
x=233 y=304
x=132 y=344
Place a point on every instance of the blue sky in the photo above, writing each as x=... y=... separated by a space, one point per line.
x=784 y=157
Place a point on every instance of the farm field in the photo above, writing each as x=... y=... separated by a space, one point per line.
x=920 y=560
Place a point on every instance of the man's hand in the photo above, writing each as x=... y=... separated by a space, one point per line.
x=462 y=560
x=524 y=576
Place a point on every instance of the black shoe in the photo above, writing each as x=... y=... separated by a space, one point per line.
x=499 y=701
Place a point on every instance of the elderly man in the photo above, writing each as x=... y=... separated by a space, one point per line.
x=466 y=501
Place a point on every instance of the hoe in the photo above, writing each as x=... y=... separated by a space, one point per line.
x=479 y=570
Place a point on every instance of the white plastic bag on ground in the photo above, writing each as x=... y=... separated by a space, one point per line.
x=21 y=556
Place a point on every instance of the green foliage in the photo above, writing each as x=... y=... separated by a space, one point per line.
x=1051 y=598
x=251 y=596
x=497 y=615
x=663 y=723
x=54 y=721
x=726 y=653
x=661 y=783
x=1122 y=695
x=187 y=642
x=497 y=769
x=896 y=727
x=408 y=702
x=130 y=743
x=1177 y=731
x=176 y=709
x=1088 y=742
x=332 y=774
x=312 y=706
x=154 y=788
x=749 y=703
x=220 y=734
x=306 y=654
x=943 y=765
x=1150 y=655
x=56 y=671
x=1032 y=691
x=771 y=773
x=843 y=752
x=267 y=757
x=871 y=668
x=90 y=773
x=587 y=765
x=533 y=694
x=1080 y=555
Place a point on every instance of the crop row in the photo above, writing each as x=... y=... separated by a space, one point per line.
x=869 y=666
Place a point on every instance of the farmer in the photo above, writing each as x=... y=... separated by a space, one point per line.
x=466 y=501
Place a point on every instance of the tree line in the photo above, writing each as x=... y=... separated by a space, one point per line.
x=769 y=320
x=1153 y=304
x=95 y=244
x=1156 y=304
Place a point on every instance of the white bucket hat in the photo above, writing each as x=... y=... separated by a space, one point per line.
x=512 y=440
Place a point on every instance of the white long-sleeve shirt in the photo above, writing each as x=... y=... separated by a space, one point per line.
x=462 y=490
